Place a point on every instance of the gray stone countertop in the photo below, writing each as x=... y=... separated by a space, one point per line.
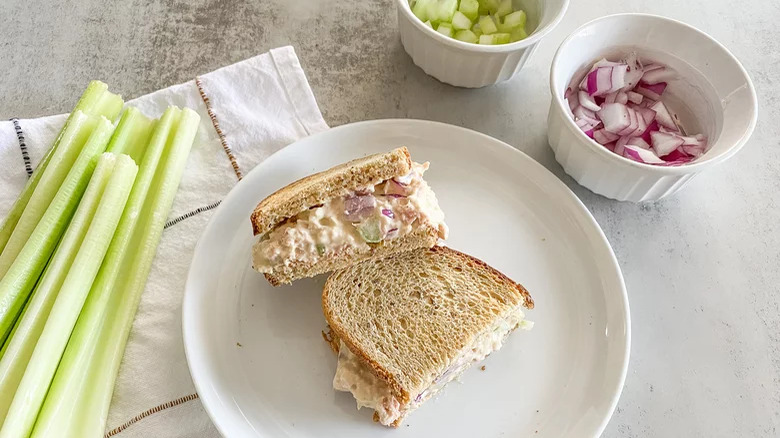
x=702 y=268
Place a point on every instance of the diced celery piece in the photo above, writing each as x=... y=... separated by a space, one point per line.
x=486 y=40
x=445 y=29
x=21 y=276
x=84 y=383
x=428 y=23
x=518 y=34
x=444 y=10
x=466 y=36
x=45 y=358
x=371 y=231
x=477 y=30
x=490 y=5
x=20 y=345
x=421 y=8
x=504 y=8
x=487 y=25
x=514 y=20
x=469 y=8
x=460 y=21
x=501 y=38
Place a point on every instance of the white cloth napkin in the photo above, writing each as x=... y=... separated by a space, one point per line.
x=248 y=110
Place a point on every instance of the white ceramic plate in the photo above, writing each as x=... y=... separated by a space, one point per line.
x=262 y=368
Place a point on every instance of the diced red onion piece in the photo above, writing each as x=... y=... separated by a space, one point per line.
x=674 y=130
x=621 y=97
x=676 y=155
x=634 y=97
x=696 y=140
x=641 y=155
x=653 y=91
x=635 y=69
x=573 y=103
x=620 y=145
x=394 y=187
x=693 y=150
x=605 y=80
x=359 y=207
x=658 y=75
x=599 y=79
x=610 y=146
x=664 y=143
x=393 y=195
x=611 y=97
x=652 y=127
x=614 y=116
x=583 y=113
x=662 y=115
x=632 y=125
x=638 y=142
x=640 y=130
x=602 y=136
x=388 y=213
x=587 y=101
x=648 y=115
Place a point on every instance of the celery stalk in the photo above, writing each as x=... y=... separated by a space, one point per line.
x=17 y=283
x=48 y=351
x=20 y=345
x=78 y=400
x=73 y=140
x=131 y=134
x=95 y=101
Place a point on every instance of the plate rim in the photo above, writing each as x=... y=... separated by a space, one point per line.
x=188 y=297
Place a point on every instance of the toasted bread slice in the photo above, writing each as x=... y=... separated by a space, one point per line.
x=320 y=187
x=414 y=317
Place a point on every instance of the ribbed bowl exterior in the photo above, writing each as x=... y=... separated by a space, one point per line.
x=456 y=66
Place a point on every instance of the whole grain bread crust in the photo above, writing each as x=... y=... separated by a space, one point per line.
x=318 y=188
x=336 y=332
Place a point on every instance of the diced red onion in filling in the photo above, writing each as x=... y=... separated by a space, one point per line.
x=359 y=206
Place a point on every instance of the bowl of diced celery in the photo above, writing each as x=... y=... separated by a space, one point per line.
x=475 y=43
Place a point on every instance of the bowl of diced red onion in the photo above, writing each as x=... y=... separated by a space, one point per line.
x=641 y=104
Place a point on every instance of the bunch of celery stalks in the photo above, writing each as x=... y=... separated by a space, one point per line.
x=76 y=250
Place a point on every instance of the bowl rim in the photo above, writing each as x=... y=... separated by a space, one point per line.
x=532 y=39
x=667 y=170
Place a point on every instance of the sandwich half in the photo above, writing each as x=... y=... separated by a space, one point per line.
x=407 y=325
x=367 y=208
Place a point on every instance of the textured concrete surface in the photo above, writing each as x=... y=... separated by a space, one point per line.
x=702 y=269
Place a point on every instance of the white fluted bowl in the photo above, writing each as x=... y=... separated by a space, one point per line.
x=473 y=65
x=713 y=96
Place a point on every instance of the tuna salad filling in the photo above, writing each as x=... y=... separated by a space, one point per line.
x=382 y=212
x=352 y=375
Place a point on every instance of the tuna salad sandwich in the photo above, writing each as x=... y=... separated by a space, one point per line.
x=405 y=326
x=367 y=208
